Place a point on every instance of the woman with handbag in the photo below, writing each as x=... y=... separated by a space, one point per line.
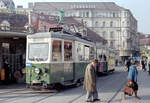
x=132 y=80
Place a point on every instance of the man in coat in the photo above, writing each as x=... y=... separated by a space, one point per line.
x=90 y=82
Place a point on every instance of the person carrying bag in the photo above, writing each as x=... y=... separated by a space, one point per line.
x=128 y=89
x=132 y=86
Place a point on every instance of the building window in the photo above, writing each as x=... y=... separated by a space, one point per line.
x=87 y=14
x=128 y=23
x=104 y=24
x=80 y=14
x=125 y=14
x=111 y=34
x=84 y=14
x=45 y=28
x=96 y=24
x=113 y=14
x=86 y=6
x=124 y=44
x=123 y=23
x=56 y=50
x=104 y=34
x=111 y=24
x=111 y=44
x=117 y=14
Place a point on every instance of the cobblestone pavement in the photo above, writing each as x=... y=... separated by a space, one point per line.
x=109 y=90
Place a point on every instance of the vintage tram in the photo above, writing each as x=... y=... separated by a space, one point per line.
x=57 y=58
x=107 y=58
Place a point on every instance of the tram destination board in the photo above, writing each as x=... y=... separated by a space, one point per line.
x=55 y=29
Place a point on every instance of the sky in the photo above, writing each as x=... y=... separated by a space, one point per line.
x=139 y=9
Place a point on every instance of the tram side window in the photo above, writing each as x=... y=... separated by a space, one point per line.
x=56 y=50
x=92 y=53
x=80 y=52
x=87 y=53
x=67 y=51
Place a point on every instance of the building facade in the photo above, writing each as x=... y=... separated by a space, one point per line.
x=116 y=24
x=144 y=44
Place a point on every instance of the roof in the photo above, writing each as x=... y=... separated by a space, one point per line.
x=15 y=20
x=59 y=35
x=8 y=2
x=46 y=18
x=91 y=35
x=145 y=39
x=47 y=6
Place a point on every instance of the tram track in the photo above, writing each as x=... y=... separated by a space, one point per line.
x=25 y=95
x=2 y=93
x=41 y=97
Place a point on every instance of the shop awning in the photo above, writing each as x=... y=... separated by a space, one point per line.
x=7 y=34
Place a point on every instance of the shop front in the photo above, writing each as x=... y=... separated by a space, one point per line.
x=12 y=56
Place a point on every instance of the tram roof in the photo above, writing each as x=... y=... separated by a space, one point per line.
x=59 y=35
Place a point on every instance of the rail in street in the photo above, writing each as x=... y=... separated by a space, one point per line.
x=109 y=90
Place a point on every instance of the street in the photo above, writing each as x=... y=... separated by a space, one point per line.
x=109 y=90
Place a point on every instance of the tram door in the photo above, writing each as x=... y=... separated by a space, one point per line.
x=14 y=63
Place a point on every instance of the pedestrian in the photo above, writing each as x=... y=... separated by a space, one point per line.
x=128 y=64
x=143 y=64
x=132 y=79
x=7 y=71
x=90 y=82
x=116 y=62
x=148 y=67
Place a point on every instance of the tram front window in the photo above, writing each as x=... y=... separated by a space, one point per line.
x=38 y=52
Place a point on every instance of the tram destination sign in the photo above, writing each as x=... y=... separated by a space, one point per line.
x=56 y=29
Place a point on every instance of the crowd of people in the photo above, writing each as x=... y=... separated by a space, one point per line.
x=7 y=76
x=144 y=64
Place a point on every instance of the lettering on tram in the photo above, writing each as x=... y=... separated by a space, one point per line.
x=56 y=29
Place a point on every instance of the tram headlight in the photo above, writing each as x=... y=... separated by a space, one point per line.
x=37 y=70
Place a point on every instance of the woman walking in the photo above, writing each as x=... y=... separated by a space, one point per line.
x=132 y=78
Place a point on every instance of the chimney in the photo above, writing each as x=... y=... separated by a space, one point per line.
x=30 y=5
x=19 y=6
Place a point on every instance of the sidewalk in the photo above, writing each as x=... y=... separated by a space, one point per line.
x=144 y=91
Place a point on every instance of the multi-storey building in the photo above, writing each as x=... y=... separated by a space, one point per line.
x=114 y=23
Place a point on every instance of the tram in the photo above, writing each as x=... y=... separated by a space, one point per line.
x=102 y=58
x=107 y=58
x=111 y=60
x=57 y=58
